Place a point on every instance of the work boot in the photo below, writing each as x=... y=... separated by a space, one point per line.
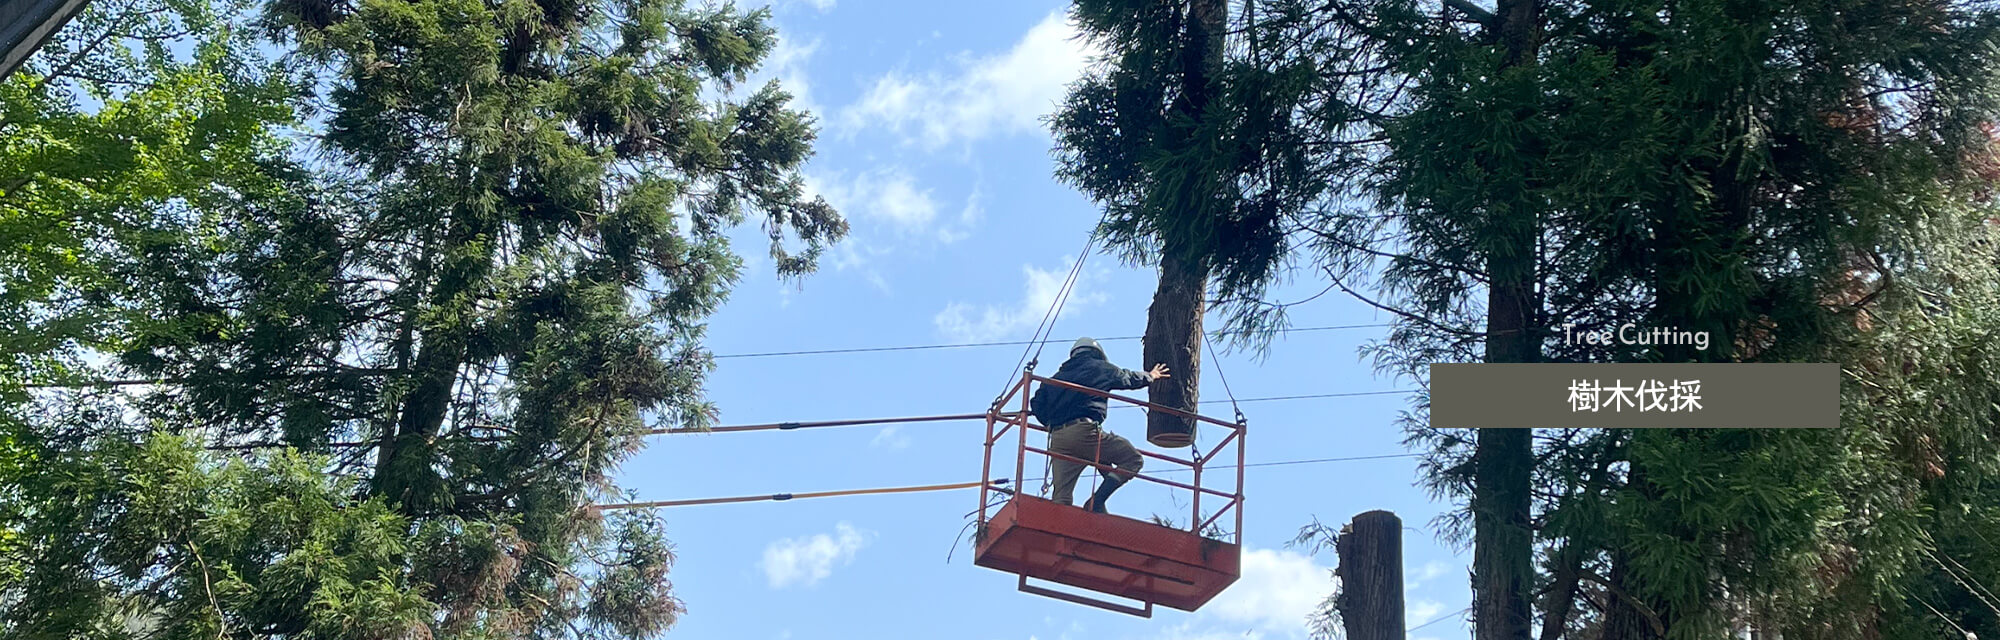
x=1096 y=502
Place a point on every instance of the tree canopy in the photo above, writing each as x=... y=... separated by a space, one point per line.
x=363 y=304
x=1806 y=181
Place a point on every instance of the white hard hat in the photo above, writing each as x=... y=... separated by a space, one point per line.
x=1085 y=343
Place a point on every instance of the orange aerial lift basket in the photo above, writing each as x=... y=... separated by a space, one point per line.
x=1142 y=561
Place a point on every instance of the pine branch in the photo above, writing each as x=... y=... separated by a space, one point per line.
x=1350 y=245
x=1652 y=618
x=1420 y=319
x=1473 y=11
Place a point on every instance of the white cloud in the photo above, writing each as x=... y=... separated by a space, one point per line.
x=857 y=254
x=965 y=322
x=787 y=64
x=997 y=94
x=1277 y=592
x=887 y=195
x=1271 y=601
x=975 y=207
x=821 y=6
x=1190 y=631
x=1432 y=570
x=888 y=204
x=806 y=561
x=1073 y=631
x=1420 y=611
x=890 y=438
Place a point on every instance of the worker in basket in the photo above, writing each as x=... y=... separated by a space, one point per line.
x=1075 y=421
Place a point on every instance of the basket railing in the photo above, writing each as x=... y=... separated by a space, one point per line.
x=1000 y=422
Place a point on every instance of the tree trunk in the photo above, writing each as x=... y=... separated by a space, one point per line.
x=1173 y=322
x=1173 y=337
x=1562 y=592
x=1371 y=577
x=404 y=473
x=1503 y=459
x=1502 y=543
x=1626 y=617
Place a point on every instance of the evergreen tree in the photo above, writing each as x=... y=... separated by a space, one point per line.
x=1189 y=137
x=1736 y=168
x=1806 y=181
x=392 y=367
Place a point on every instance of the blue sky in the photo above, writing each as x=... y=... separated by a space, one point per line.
x=931 y=146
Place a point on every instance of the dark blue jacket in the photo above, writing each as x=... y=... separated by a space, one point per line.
x=1055 y=406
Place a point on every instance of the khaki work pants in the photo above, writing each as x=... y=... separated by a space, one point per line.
x=1083 y=440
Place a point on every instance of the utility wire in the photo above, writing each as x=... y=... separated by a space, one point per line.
x=1385 y=456
x=1013 y=343
x=1055 y=307
x=1305 y=397
x=791 y=496
x=1349 y=394
x=1217 y=363
x=1947 y=619
x=767 y=354
x=1344 y=459
x=934 y=487
x=1439 y=619
x=788 y=426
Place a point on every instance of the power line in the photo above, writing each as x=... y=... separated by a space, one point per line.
x=1349 y=394
x=1442 y=618
x=941 y=419
x=1015 y=343
x=1304 y=397
x=1345 y=459
x=791 y=496
x=1386 y=456
x=768 y=354
x=933 y=487
x=786 y=426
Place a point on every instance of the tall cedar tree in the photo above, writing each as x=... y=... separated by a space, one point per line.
x=1212 y=171
x=1745 y=169
x=394 y=370
x=1188 y=137
x=1157 y=98
x=1807 y=181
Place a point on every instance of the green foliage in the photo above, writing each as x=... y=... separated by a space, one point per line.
x=1215 y=174
x=389 y=363
x=165 y=139
x=1760 y=172
x=1806 y=181
x=156 y=539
